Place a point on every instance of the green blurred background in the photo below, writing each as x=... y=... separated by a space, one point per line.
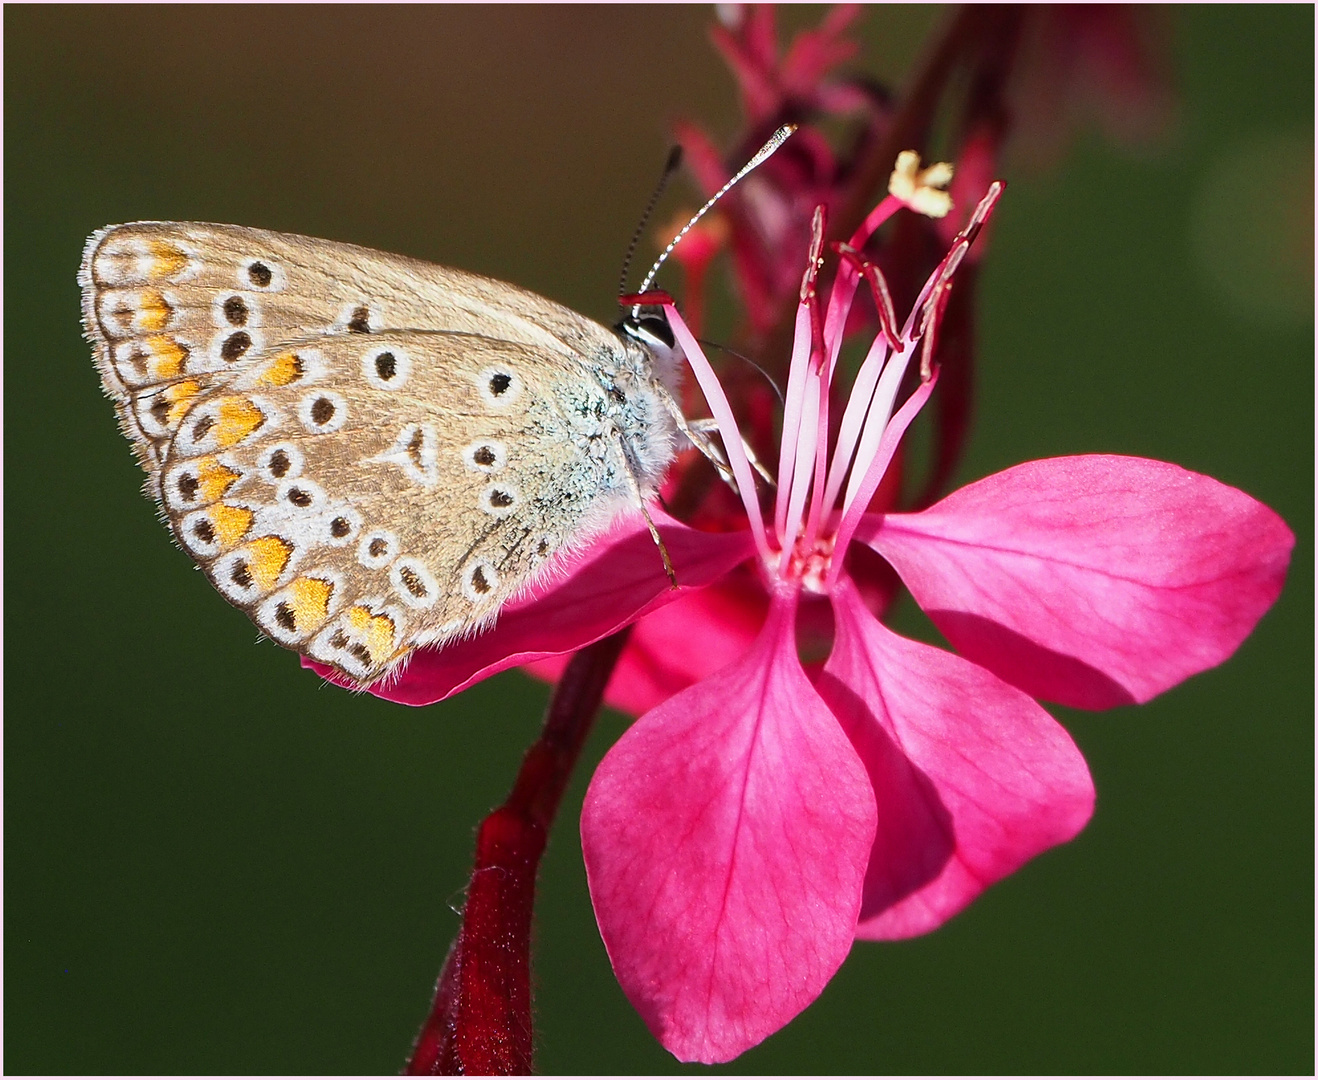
x=214 y=863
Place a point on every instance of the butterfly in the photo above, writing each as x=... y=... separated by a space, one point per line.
x=367 y=453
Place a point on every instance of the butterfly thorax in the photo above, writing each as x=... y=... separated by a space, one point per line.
x=641 y=383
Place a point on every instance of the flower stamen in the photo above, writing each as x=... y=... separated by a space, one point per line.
x=921 y=189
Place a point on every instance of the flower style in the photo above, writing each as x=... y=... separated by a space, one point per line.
x=746 y=830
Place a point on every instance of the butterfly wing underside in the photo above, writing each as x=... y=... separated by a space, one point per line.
x=363 y=452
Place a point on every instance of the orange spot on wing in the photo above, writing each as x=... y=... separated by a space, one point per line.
x=310 y=599
x=167 y=260
x=375 y=631
x=237 y=419
x=231 y=524
x=284 y=369
x=179 y=396
x=213 y=479
x=266 y=559
x=153 y=311
x=167 y=356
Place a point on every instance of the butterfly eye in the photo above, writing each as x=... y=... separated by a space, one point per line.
x=650 y=330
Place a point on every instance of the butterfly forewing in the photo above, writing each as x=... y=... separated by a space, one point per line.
x=363 y=452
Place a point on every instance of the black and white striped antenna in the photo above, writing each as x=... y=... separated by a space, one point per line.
x=761 y=156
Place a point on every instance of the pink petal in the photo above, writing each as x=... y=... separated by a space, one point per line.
x=753 y=70
x=1092 y=581
x=725 y=839
x=618 y=578
x=972 y=778
x=678 y=645
x=813 y=53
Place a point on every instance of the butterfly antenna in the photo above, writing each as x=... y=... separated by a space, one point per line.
x=762 y=155
x=670 y=167
x=773 y=383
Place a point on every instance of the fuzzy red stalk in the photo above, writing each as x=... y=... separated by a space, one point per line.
x=480 y=1020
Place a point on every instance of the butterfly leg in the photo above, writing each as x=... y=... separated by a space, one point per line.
x=700 y=431
x=707 y=426
x=659 y=541
x=640 y=503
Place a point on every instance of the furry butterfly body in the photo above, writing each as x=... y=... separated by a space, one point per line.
x=363 y=452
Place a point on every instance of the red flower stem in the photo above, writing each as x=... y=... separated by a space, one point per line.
x=480 y=1020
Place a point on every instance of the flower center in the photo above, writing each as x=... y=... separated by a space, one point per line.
x=810 y=562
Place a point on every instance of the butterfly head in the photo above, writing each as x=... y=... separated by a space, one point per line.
x=645 y=323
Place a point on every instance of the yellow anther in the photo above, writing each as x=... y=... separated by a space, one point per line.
x=921 y=189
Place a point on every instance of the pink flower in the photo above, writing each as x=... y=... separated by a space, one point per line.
x=744 y=832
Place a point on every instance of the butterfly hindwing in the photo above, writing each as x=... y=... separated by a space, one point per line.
x=355 y=493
